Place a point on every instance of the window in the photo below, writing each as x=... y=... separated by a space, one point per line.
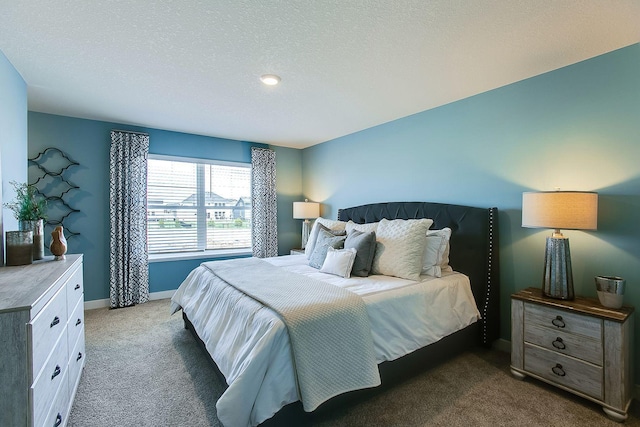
x=197 y=204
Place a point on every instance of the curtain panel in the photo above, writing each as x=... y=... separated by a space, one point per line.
x=128 y=257
x=264 y=220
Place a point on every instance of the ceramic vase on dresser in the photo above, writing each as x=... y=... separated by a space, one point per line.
x=37 y=227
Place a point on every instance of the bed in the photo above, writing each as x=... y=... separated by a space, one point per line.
x=258 y=354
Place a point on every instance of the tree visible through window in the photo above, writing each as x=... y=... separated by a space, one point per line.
x=194 y=205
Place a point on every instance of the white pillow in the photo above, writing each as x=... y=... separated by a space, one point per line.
x=330 y=224
x=339 y=262
x=436 y=254
x=400 y=247
x=365 y=228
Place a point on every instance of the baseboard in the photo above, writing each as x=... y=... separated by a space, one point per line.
x=103 y=303
x=505 y=345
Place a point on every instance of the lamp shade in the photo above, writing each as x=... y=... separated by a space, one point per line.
x=306 y=210
x=568 y=210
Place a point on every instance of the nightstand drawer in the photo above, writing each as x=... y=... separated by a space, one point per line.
x=564 y=370
x=580 y=347
x=561 y=320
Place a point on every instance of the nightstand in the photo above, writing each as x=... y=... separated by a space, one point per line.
x=579 y=346
x=296 y=251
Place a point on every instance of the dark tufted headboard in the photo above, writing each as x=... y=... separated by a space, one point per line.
x=474 y=247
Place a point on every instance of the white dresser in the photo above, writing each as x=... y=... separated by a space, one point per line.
x=42 y=341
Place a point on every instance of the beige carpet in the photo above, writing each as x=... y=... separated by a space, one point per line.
x=144 y=369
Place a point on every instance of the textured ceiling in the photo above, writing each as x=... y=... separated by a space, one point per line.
x=346 y=65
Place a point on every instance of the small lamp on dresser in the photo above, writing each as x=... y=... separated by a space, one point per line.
x=569 y=210
x=306 y=210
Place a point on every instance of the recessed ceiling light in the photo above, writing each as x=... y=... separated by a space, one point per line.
x=270 y=79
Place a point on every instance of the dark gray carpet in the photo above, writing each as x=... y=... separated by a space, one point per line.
x=144 y=369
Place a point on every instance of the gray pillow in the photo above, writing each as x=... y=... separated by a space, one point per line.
x=365 y=245
x=323 y=241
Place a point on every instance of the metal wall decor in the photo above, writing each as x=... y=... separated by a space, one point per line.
x=54 y=185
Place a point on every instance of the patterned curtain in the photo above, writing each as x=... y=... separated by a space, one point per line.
x=128 y=258
x=264 y=219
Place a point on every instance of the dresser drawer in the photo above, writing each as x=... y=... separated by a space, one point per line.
x=75 y=326
x=578 y=346
x=75 y=288
x=57 y=414
x=562 y=320
x=45 y=388
x=76 y=363
x=45 y=329
x=564 y=370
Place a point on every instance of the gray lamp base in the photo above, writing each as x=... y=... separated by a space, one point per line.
x=305 y=233
x=558 y=277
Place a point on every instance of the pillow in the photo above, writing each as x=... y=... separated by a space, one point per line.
x=328 y=223
x=339 y=262
x=371 y=226
x=323 y=242
x=436 y=251
x=400 y=247
x=365 y=246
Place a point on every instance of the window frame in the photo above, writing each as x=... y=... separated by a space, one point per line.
x=201 y=213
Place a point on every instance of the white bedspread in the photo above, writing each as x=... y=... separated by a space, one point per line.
x=250 y=344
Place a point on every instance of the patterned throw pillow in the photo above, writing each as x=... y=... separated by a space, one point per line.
x=324 y=240
x=329 y=224
x=400 y=247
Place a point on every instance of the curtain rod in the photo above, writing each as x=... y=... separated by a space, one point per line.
x=129 y=131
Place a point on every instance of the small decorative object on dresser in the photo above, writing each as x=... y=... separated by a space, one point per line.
x=19 y=247
x=575 y=345
x=29 y=208
x=58 y=243
x=610 y=290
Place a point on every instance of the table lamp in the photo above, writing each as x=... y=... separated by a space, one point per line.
x=306 y=210
x=569 y=210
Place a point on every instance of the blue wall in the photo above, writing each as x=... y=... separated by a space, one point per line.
x=13 y=140
x=577 y=128
x=88 y=141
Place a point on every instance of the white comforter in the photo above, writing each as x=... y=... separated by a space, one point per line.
x=250 y=344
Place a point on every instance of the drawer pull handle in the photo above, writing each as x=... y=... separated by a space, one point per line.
x=58 y=421
x=78 y=322
x=559 y=344
x=56 y=372
x=77 y=287
x=558 y=370
x=79 y=356
x=558 y=322
x=55 y=321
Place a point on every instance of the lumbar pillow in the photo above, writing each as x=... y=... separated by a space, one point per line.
x=436 y=254
x=400 y=247
x=327 y=223
x=323 y=242
x=370 y=226
x=339 y=262
x=365 y=245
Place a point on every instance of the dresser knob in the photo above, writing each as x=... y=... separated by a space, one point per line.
x=79 y=356
x=54 y=322
x=58 y=421
x=559 y=344
x=78 y=322
x=558 y=370
x=56 y=372
x=77 y=287
x=558 y=322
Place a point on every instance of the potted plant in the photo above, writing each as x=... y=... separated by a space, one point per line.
x=30 y=210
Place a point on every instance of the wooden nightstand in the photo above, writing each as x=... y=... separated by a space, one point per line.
x=296 y=251
x=579 y=346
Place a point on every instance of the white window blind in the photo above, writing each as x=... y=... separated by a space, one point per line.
x=195 y=205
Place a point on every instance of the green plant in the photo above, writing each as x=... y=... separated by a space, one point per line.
x=28 y=205
x=238 y=222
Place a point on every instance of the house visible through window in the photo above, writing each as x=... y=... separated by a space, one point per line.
x=197 y=204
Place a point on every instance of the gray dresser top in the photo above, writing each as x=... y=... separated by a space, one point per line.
x=22 y=287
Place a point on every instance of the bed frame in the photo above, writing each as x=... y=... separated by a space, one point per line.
x=474 y=252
